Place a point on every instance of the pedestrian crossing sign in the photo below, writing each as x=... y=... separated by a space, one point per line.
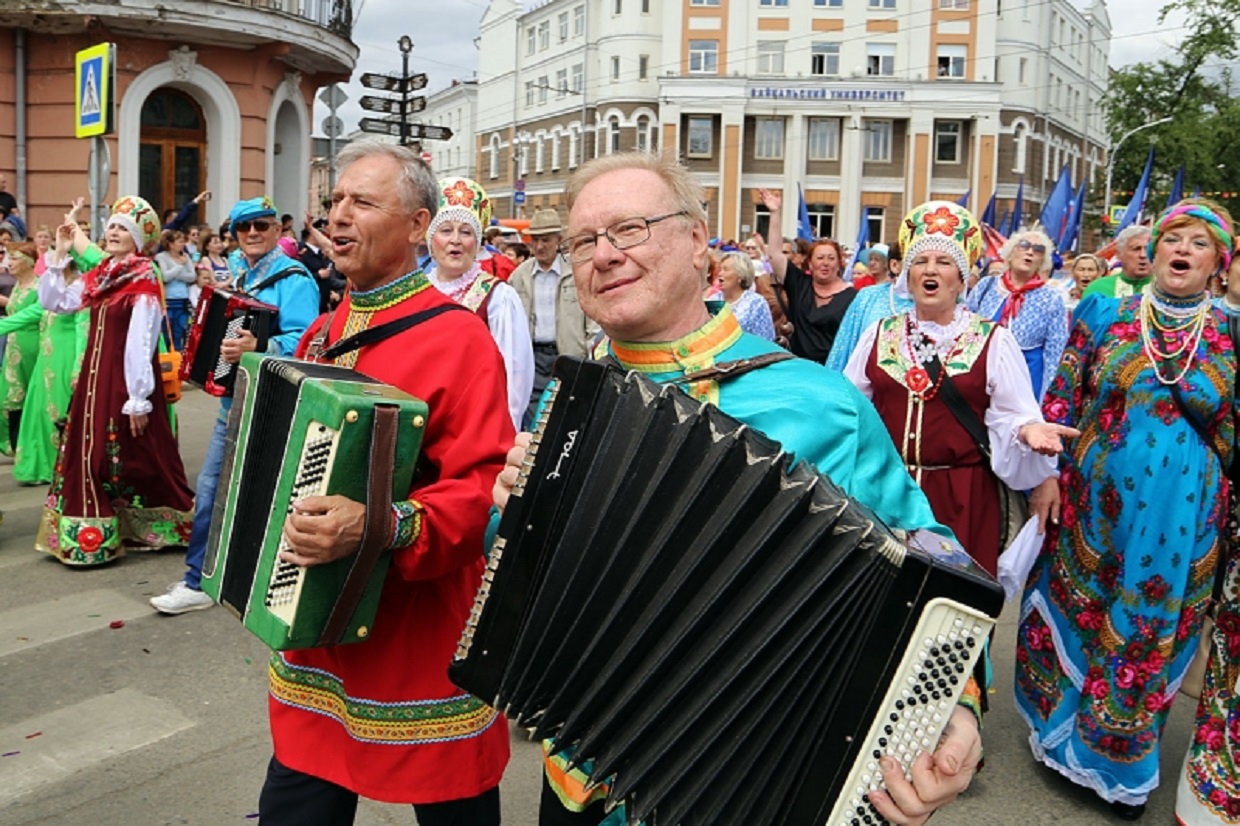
x=92 y=91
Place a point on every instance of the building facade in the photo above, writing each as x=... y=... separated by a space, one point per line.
x=212 y=95
x=864 y=107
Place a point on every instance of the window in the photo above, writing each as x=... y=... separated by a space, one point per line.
x=703 y=57
x=874 y=221
x=494 y=170
x=824 y=139
x=947 y=141
x=954 y=5
x=878 y=141
x=821 y=220
x=882 y=4
x=1020 y=136
x=643 y=67
x=613 y=134
x=531 y=40
x=561 y=83
x=880 y=59
x=563 y=26
x=773 y=2
x=555 y=151
x=824 y=59
x=701 y=136
x=770 y=57
x=1024 y=64
x=579 y=21
x=645 y=6
x=829 y=4
x=643 y=134
x=704 y=2
x=523 y=155
x=572 y=149
x=543 y=86
x=579 y=78
x=615 y=69
x=529 y=93
x=619 y=7
x=768 y=141
x=544 y=34
x=538 y=156
x=951 y=60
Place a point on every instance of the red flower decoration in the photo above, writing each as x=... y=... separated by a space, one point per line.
x=941 y=221
x=459 y=194
x=90 y=539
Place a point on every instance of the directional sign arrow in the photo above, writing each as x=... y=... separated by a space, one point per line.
x=388 y=83
x=434 y=133
x=380 y=127
x=374 y=103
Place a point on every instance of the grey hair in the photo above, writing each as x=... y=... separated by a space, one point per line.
x=742 y=265
x=416 y=186
x=1035 y=236
x=1128 y=233
x=687 y=193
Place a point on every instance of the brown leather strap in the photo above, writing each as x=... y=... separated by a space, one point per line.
x=378 y=523
x=319 y=341
x=732 y=369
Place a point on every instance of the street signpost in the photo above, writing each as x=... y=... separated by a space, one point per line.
x=400 y=105
x=518 y=197
x=391 y=106
x=94 y=75
x=390 y=83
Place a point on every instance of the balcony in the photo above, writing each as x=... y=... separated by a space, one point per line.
x=312 y=36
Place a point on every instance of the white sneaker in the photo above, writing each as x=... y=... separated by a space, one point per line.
x=181 y=598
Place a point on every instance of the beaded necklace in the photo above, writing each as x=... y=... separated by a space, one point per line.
x=1192 y=316
x=923 y=349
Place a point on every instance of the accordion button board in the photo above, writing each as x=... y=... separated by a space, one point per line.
x=721 y=636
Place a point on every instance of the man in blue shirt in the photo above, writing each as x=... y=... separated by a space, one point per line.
x=260 y=268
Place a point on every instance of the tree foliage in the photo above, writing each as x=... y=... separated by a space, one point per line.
x=1193 y=85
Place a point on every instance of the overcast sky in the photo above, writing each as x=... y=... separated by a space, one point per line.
x=444 y=49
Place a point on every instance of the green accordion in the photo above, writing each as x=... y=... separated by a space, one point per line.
x=301 y=429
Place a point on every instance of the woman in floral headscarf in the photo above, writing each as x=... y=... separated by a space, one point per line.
x=119 y=480
x=913 y=366
x=1115 y=601
x=455 y=240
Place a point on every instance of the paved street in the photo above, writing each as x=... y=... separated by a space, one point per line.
x=162 y=721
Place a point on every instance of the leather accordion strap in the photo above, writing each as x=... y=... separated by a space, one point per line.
x=733 y=369
x=378 y=521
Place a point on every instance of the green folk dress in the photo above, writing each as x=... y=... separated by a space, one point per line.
x=62 y=340
x=21 y=325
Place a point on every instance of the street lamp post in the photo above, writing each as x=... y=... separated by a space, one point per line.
x=1114 y=150
x=406 y=46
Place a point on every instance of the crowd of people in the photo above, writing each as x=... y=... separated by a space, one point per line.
x=1093 y=393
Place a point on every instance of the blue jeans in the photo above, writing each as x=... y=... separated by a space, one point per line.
x=178 y=320
x=204 y=502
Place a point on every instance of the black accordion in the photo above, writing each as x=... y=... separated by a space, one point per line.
x=726 y=637
x=222 y=314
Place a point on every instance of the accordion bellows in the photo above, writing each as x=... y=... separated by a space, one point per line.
x=722 y=636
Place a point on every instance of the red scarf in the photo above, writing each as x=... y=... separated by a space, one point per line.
x=1016 y=297
x=114 y=275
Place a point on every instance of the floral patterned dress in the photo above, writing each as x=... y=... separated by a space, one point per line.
x=1114 y=605
x=1209 y=790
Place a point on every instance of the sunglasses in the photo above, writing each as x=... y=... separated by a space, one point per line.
x=242 y=227
x=1026 y=245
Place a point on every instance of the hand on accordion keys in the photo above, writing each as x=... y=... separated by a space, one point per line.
x=323 y=529
x=507 y=478
x=937 y=778
x=232 y=348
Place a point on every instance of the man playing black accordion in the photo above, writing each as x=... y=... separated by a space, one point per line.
x=637 y=241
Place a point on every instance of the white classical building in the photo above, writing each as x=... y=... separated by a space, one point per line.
x=878 y=104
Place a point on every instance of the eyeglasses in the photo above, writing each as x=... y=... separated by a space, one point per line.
x=623 y=234
x=1026 y=244
x=242 y=227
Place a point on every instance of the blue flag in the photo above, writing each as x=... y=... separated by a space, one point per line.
x=1076 y=217
x=803 y=226
x=1055 y=217
x=863 y=241
x=963 y=200
x=1005 y=224
x=988 y=217
x=1017 y=208
x=1177 y=188
x=1138 y=196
